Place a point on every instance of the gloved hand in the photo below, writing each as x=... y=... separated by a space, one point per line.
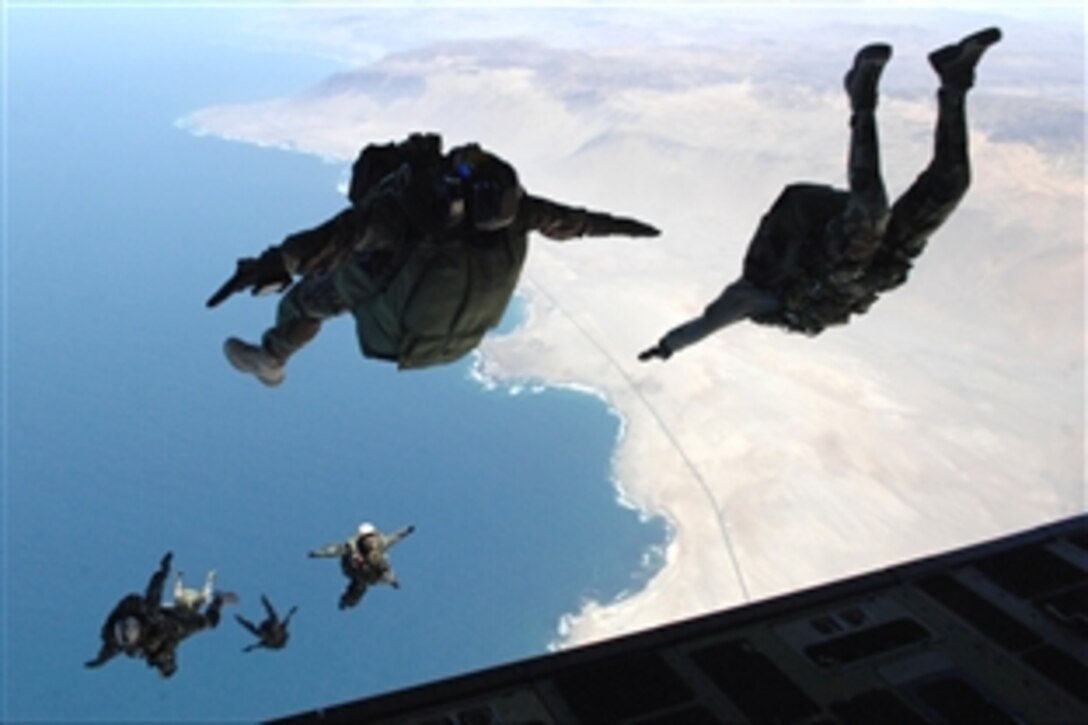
x=600 y=224
x=627 y=227
x=660 y=350
x=263 y=274
x=269 y=272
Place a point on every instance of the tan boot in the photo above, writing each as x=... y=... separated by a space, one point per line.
x=255 y=360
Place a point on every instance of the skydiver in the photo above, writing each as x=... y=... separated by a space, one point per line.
x=272 y=632
x=822 y=254
x=177 y=623
x=139 y=626
x=426 y=259
x=363 y=560
x=127 y=626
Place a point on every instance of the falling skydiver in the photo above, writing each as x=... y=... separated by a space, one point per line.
x=822 y=254
x=364 y=560
x=272 y=632
x=128 y=624
x=139 y=626
x=426 y=258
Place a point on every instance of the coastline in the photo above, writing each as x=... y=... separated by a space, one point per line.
x=942 y=417
x=820 y=460
x=517 y=356
x=953 y=412
x=653 y=559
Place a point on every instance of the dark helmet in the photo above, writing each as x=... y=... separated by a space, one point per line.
x=489 y=187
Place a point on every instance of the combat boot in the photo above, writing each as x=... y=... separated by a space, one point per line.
x=255 y=360
x=955 y=64
x=861 y=80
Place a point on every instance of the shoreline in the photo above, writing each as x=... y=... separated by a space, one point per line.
x=943 y=416
x=654 y=558
x=499 y=363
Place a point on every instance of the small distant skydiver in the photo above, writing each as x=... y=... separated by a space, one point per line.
x=426 y=258
x=139 y=626
x=822 y=254
x=363 y=561
x=272 y=632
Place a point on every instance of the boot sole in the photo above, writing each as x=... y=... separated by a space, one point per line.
x=970 y=48
x=869 y=60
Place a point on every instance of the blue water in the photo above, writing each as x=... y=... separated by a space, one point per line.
x=127 y=434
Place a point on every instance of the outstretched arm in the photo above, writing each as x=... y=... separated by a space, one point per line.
x=298 y=255
x=307 y=249
x=739 y=301
x=248 y=625
x=561 y=222
x=332 y=550
x=396 y=536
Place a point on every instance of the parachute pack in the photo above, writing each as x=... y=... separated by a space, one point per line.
x=377 y=161
x=446 y=292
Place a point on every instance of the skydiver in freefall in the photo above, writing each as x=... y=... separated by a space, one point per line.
x=823 y=254
x=127 y=626
x=272 y=632
x=139 y=626
x=364 y=560
x=426 y=258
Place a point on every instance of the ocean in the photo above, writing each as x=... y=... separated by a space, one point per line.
x=127 y=434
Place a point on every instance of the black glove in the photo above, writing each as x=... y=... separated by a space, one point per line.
x=598 y=224
x=660 y=350
x=265 y=273
x=625 y=227
x=270 y=271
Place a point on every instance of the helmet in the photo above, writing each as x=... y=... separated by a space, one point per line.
x=127 y=631
x=489 y=186
x=366 y=528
